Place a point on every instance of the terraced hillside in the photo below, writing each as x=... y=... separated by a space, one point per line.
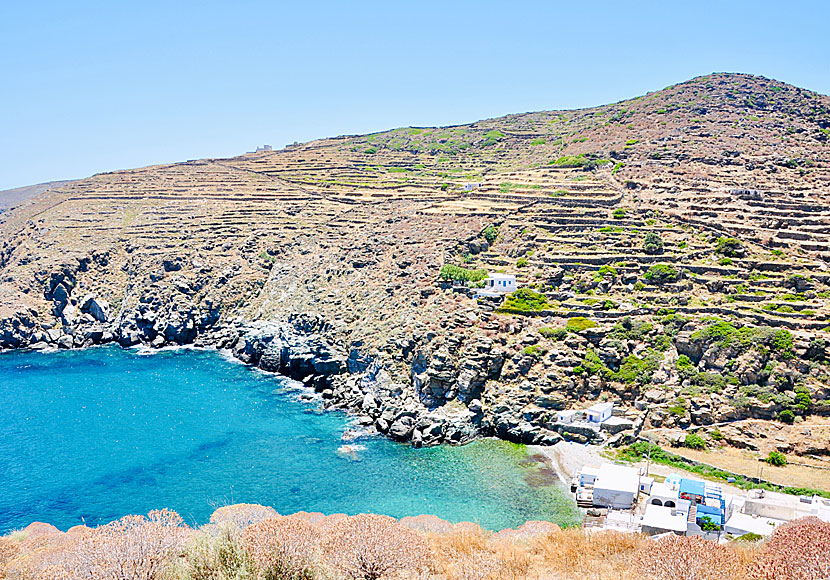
x=671 y=252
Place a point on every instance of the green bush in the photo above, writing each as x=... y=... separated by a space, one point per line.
x=521 y=262
x=786 y=416
x=490 y=234
x=580 y=161
x=553 y=333
x=635 y=370
x=782 y=343
x=749 y=537
x=653 y=244
x=619 y=214
x=493 y=137
x=606 y=271
x=776 y=458
x=534 y=351
x=456 y=273
x=730 y=247
x=579 y=323
x=524 y=300
x=694 y=441
x=725 y=261
x=662 y=273
x=685 y=367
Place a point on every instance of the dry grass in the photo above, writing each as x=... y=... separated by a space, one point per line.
x=371 y=547
x=747 y=463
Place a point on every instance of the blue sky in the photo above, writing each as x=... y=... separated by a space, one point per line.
x=89 y=87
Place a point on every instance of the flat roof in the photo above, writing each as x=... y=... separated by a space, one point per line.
x=600 y=407
x=660 y=517
x=618 y=478
x=692 y=487
x=746 y=523
x=501 y=276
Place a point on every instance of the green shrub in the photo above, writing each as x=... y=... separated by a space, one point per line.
x=538 y=141
x=725 y=261
x=749 y=537
x=521 y=262
x=456 y=273
x=678 y=408
x=730 y=247
x=619 y=165
x=490 y=234
x=682 y=244
x=619 y=214
x=524 y=300
x=662 y=273
x=786 y=416
x=653 y=244
x=553 y=333
x=776 y=458
x=685 y=367
x=782 y=343
x=493 y=137
x=579 y=323
x=580 y=161
x=534 y=351
x=635 y=370
x=716 y=435
x=609 y=305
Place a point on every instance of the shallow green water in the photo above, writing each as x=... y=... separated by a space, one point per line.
x=89 y=436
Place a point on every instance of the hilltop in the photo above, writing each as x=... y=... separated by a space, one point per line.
x=672 y=249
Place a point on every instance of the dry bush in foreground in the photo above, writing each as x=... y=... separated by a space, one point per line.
x=465 y=555
x=9 y=549
x=242 y=515
x=283 y=547
x=798 y=550
x=132 y=548
x=370 y=546
x=586 y=555
x=692 y=558
x=214 y=556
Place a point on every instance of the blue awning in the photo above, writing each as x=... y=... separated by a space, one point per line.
x=692 y=487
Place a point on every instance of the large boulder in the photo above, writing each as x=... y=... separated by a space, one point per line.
x=98 y=309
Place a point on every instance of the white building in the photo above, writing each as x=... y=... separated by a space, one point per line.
x=471 y=186
x=496 y=284
x=616 y=486
x=568 y=416
x=659 y=519
x=599 y=412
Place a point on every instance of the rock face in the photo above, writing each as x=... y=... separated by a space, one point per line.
x=322 y=261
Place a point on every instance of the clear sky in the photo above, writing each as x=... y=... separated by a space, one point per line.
x=97 y=86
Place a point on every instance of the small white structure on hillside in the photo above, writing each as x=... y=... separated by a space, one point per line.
x=496 y=284
x=568 y=416
x=616 y=486
x=265 y=148
x=471 y=186
x=599 y=412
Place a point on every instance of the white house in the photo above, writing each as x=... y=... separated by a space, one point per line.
x=599 y=412
x=660 y=519
x=499 y=284
x=588 y=475
x=568 y=416
x=616 y=486
x=471 y=186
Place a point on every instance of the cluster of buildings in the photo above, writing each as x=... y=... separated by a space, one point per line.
x=631 y=501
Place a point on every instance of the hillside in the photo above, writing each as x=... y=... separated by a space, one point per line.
x=322 y=261
x=12 y=197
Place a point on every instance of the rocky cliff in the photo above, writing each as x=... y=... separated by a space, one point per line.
x=671 y=249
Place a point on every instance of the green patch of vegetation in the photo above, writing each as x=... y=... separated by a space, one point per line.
x=632 y=142
x=777 y=253
x=490 y=234
x=653 y=244
x=606 y=271
x=776 y=458
x=575 y=161
x=682 y=244
x=579 y=323
x=493 y=137
x=538 y=141
x=662 y=274
x=267 y=257
x=521 y=262
x=749 y=538
x=558 y=193
x=457 y=273
x=524 y=300
x=534 y=351
x=556 y=334
x=371 y=150
x=694 y=441
x=619 y=165
x=730 y=247
x=725 y=261
x=619 y=214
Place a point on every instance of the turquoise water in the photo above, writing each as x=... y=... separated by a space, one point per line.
x=90 y=436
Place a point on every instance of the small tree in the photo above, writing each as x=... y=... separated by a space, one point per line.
x=490 y=234
x=370 y=547
x=653 y=244
x=776 y=458
x=694 y=441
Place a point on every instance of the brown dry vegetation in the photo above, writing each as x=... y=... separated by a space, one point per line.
x=313 y=546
